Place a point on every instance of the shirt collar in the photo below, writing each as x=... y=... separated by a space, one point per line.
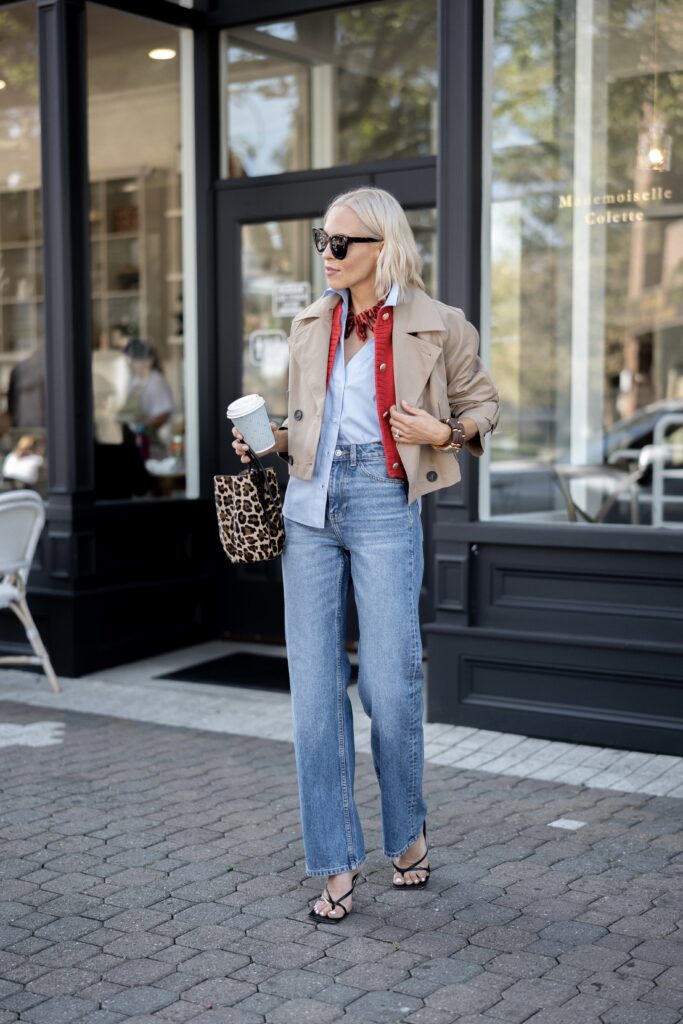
x=343 y=293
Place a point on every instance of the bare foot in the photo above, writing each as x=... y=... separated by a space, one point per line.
x=337 y=886
x=412 y=854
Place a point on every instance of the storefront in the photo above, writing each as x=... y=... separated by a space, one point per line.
x=150 y=272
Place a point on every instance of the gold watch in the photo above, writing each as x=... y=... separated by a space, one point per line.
x=457 y=438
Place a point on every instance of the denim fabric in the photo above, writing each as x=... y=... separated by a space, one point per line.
x=374 y=537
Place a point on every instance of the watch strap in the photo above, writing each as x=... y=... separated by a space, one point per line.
x=457 y=438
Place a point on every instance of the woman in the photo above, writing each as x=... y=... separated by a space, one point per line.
x=377 y=370
x=149 y=404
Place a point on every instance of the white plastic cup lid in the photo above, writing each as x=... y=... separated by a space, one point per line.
x=244 y=406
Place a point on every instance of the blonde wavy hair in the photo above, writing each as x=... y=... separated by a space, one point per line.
x=382 y=215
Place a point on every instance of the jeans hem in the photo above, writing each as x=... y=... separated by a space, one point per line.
x=410 y=842
x=323 y=872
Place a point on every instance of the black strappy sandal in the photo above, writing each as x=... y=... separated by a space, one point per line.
x=415 y=867
x=324 y=918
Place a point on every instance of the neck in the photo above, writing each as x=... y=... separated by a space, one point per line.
x=363 y=297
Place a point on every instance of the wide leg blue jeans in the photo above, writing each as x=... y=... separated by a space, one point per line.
x=374 y=537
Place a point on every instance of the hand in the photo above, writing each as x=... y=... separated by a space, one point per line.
x=241 y=449
x=416 y=426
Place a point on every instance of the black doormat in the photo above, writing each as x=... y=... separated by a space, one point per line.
x=254 y=671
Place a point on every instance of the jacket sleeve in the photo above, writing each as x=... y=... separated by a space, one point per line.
x=471 y=392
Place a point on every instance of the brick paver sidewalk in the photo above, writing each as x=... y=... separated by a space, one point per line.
x=154 y=875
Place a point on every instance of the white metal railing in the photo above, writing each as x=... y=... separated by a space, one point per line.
x=662 y=455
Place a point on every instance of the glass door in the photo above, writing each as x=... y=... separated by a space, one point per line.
x=281 y=275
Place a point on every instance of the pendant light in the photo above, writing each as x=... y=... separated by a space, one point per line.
x=654 y=141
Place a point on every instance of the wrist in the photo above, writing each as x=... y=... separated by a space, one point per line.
x=445 y=434
x=457 y=435
x=281 y=439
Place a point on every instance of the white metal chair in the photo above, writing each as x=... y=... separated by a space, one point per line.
x=22 y=517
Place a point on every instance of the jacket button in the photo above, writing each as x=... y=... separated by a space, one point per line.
x=385 y=414
x=395 y=465
x=382 y=367
x=290 y=460
x=432 y=475
x=298 y=415
x=385 y=316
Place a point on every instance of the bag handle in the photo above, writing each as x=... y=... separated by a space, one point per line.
x=260 y=471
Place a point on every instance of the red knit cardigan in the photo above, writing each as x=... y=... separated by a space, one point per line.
x=385 y=390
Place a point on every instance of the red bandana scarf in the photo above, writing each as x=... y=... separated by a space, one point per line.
x=364 y=322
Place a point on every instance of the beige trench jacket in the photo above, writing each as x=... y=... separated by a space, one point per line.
x=436 y=368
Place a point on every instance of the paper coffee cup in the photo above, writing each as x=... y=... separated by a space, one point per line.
x=250 y=416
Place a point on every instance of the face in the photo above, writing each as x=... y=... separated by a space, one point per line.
x=357 y=269
x=140 y=368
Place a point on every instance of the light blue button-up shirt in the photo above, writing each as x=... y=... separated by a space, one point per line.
x=349 y=416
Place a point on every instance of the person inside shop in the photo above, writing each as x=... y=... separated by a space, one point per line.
x=23 y=466
x=385 y=389
x=149 y=404
x=26 y=392
x=119 y=468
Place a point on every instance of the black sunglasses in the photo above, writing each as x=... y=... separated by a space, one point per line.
x=339 y=244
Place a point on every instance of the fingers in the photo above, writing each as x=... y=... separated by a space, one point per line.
x=239 y=447
x=415 y=426
x=403 y=418
x=242 y=450
x=399 y=419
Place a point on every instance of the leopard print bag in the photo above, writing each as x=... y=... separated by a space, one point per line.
x=249 y=510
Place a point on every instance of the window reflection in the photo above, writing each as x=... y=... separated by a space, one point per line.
x=136 y=254
x=22 y=342
x=585 y=279
x=331 y=87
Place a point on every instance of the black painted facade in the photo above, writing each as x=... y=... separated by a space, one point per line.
x=547 y=631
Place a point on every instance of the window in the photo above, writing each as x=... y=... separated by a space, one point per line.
x=139 y=282
x=331 y=87
x=583 y=266
x=22 y=330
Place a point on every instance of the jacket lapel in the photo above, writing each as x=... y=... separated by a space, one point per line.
x=310 y=344
x=415 y=352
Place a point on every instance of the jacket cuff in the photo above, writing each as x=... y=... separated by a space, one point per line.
x=485 y=424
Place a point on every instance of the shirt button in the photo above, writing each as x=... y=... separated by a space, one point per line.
x=385 y=316
x=382 y=367
x=385 y=414
x=432 y=475
x=338 y=451
x=298 y=415
x=395 y=465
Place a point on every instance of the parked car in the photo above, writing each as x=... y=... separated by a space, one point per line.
x=531 y=488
